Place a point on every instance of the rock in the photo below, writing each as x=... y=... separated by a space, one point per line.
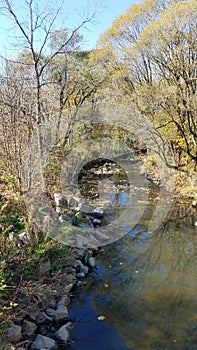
x=65 y=218
x=101 y=236
x=60 y=201
x=28 y=327
x=66 y=282
x=91 y=262
x=86 y=208
x=19 y=239
x=63 y=332
x=68 y=287
x=82 y=267
x=50 y=312
x=47 y=214
x=85 y=225
x=98 y=213
x=14 y=239
x=96 y=221
x=42 y=342
x=34 y=312
x=80 y=275
x=24 y=238
x=65 y=300
x=59 y=314
x=43 y=317
x=13 y=333
x=79 y=283
x=72 y=202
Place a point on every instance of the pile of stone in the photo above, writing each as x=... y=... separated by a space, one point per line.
x=76 y=207
x=46 y=328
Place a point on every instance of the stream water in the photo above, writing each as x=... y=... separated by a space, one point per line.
x=143 y=292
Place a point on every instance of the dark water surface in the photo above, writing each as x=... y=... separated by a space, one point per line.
x=143 y=292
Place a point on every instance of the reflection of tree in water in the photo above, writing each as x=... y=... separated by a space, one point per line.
x=149 y=292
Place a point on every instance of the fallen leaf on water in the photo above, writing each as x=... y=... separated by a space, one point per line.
x=100 y=318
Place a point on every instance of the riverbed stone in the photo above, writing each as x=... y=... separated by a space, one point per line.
x=86 y=208
x=96 y=221
x=65 y=300
x=13 y=333
x=50 y=312
x=101 y=236
x=34 y=312
x=81 y=266
x=73 y=202
x=60 y=200
x=59 y=314
x=85 y=225
x=43 y=317
x=63 y=332
x=80 y=275
x=91 y=262
x=65 y=218
x=83 y=241
x=28 y=327
x=42 y=342
x=99 y=213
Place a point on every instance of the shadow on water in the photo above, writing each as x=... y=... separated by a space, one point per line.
x=143 y=292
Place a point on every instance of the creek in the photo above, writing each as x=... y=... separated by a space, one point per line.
x=143 y=292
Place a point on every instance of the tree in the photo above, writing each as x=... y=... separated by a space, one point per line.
x=36 y=31
x=74 y=81
x=150 y=52
x=172 y=52
x=17 y=117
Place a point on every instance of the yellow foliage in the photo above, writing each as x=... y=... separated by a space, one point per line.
x=13 y=304
x=131 y=20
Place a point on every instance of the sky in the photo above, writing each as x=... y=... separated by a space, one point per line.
x=73 y=12
x=107 y=13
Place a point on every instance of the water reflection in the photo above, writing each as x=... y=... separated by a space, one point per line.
x=145 y=286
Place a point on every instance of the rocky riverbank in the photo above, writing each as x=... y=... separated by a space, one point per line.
x=44 y=323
